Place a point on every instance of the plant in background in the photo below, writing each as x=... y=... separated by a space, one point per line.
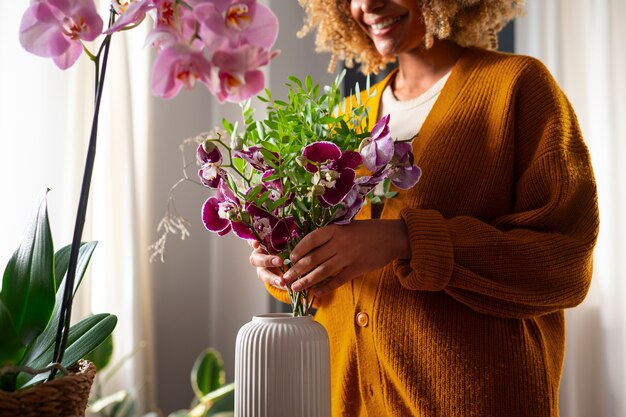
x=220 y=43
x=30 y=306
x=309 y=163
x=213 y=397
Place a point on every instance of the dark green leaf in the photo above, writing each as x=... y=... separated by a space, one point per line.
x=11 y=348
x=28 y=285
x=46 y=338
x=207 y=373
x=84 y=336
x=102 y=354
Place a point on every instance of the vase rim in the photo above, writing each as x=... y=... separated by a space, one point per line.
x=278 y=317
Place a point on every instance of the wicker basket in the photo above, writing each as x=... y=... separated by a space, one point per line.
x=62 y=397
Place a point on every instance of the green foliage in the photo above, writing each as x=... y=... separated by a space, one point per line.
x=213 y=397
x=30 y=304
x=207 y=373
x=101 y=355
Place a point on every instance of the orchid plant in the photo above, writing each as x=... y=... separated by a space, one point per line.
x=310 y=162
x=220 y=43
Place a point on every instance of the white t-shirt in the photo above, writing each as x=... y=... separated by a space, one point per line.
x=408 y=116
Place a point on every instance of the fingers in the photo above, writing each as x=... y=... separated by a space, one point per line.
x=311 y=241
x=316 y=263
x=261 y=259
x=316 y=277
x=271 y=276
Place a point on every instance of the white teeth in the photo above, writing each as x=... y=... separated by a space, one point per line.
x=384 y=24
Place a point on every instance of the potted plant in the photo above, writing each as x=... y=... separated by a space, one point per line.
x=31 y=303
x=220 y=44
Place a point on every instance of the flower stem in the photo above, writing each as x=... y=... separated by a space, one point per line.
x=63 y=327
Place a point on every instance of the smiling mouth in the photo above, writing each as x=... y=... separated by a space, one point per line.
x=384 y=24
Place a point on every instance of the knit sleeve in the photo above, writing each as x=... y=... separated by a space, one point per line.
x=280 y=295
x=537 y=258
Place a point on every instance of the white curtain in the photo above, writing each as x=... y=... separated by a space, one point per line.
x=582 y=42
x=45 y=117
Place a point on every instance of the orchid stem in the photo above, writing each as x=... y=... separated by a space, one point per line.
x=63 y=328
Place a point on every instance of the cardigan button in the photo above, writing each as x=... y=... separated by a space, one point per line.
x=362 y=319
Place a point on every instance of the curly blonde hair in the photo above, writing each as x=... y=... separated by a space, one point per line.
x=466 y=22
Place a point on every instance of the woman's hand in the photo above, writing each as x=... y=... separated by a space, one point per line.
x=331 y=256
x=268 y=267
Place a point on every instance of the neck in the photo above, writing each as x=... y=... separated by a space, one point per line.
x=419 y=69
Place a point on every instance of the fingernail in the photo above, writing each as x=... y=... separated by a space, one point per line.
x=287 y=276
x=297 y=287
x=277 y=282
x=277 y=261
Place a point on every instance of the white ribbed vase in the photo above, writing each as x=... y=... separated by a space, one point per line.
x=282 y=368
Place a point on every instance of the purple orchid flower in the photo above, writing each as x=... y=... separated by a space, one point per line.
x=283 y=232
x=210 y=160
x=352 y=204
x=332 y=169
x=176 y=66
x=377 y=150
x=220 y=211
x=402 y=171
x=55 y=28
x=275 y=187
x=274 y=233
x=254 y=157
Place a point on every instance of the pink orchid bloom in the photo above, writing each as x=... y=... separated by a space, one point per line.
x=131 y=12
x=55 y=28
x=238 y=74
x=176 y=66
x=233 y=23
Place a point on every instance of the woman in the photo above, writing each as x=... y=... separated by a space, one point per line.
x=451 y=303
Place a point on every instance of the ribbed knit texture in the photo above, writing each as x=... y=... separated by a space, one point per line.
x=502 y=227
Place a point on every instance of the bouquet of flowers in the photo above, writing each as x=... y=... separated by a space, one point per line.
x=309 y=163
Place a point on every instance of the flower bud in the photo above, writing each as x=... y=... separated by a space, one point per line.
x=301 y=160
x=208 y=146
x=236 y=143
x=331 y=175
x=318 y=189
x=245 y=217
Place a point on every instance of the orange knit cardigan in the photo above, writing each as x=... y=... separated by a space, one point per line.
x=502 y=227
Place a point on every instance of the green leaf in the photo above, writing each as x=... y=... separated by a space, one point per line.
x=84 y=337
x=218 y=401
x=102 y=354
x=295 y=80
x=179 y=413
x=46 y=338
x=308 y=81
x=101 y=403
x=28 y=285
x=11 y=348
x=125 y=408
x=207 y=373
